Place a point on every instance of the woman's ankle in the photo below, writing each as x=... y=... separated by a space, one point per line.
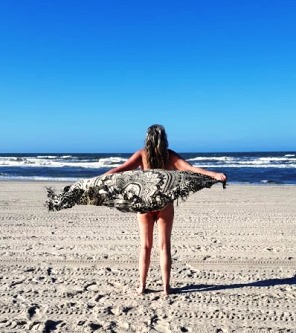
x=141 y=289
x=167 y=290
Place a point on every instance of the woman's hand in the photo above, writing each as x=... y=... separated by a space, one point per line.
x=220 y=176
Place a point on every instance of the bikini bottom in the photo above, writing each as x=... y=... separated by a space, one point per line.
x=154 y=214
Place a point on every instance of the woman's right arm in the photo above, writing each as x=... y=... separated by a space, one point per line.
x=132 y=163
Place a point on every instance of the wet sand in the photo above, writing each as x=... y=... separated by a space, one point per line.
x=234 y=264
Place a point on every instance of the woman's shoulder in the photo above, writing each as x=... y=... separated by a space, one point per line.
x=139 y=152
x=173 y=154
x=142 y=154
x=174 y=159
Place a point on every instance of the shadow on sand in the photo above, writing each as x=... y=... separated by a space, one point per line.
x=207 y=287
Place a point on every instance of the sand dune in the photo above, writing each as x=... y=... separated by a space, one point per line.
x=234 y=265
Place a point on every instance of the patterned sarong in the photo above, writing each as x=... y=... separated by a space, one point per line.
x=131 y=191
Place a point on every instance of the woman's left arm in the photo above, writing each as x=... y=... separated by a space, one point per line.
x=182 y=165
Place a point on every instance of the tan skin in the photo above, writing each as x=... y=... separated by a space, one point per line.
x=164 y=218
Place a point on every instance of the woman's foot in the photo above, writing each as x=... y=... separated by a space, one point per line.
x=167 y=291
x=141 y=290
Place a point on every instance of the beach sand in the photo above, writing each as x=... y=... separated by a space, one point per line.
x=234 y=264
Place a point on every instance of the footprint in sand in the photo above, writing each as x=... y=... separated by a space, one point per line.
x=51 y=325
x=33 y=311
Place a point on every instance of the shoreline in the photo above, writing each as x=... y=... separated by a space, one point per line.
x=73 y=181
x=240 y=167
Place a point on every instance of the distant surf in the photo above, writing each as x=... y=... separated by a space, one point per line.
x=246 y=168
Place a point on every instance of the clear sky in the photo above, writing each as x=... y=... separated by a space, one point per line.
x=92 y=75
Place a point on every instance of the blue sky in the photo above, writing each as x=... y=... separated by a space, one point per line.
x=92 y=75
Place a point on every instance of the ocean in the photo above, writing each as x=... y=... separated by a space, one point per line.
x=241 y=168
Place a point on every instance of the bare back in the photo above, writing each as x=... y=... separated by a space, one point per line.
x=169 y=166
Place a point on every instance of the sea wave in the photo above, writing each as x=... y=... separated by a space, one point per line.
x=211 y=158
x=277 y=159
x=61 y=162
x=70 y=161
x=247 y=165
x=259 y=168
x=244 y=161
x=39 y=178
x=52 y=157
x=47 y=157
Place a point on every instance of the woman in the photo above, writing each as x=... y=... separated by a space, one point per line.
x=156 y=155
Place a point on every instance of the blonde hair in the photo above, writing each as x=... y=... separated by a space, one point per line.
x=156 y=147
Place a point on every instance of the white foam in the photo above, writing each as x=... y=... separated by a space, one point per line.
x=204 y=158
x=40 y=178
x=67 y=156
x=48 y=156
x=246 y=165
x=69 y=161
x=270 y=159
x=51 y=162
x=244 y=161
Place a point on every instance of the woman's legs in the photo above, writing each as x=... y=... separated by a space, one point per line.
x=165 y=219
x=146 y=224
x=165 y=225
